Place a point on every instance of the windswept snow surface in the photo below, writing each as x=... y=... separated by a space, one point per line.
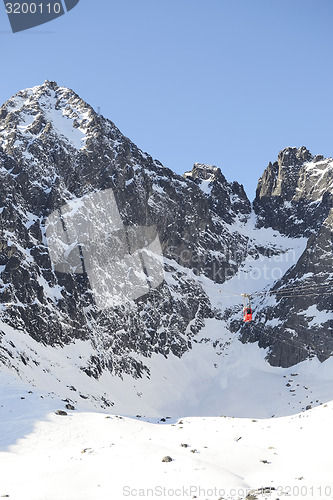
x=99 y=456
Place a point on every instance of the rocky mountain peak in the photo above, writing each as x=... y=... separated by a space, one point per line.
x=292 y=156
x=204 y=172
x=294 y=194
x=227 y=199
x=281 y=177
x=52 y=85
x=34 y=115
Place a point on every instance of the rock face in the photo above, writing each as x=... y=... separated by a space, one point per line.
x=294 y=196
x=55 y=151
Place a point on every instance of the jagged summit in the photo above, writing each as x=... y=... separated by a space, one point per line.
x=228 y=199
x=203 y=172
x=286 y=177
x=292 y=156
x=294 y=194
x=36 y=113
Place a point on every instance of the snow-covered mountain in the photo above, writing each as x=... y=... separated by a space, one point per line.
x=295 y=197
x=181 y=346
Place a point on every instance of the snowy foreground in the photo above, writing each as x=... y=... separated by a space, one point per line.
x=101 y=456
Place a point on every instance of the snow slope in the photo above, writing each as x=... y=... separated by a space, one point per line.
x=99 y=456
x=218 y=375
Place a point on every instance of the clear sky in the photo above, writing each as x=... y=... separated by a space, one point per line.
x=229 y=83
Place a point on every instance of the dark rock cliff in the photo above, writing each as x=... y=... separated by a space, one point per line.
x=295 y=196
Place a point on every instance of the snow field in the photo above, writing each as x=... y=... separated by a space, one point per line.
x=102 y=456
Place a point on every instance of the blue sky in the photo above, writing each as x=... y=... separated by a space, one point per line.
x=228 y=83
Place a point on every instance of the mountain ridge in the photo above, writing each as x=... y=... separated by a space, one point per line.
x=55 y=149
